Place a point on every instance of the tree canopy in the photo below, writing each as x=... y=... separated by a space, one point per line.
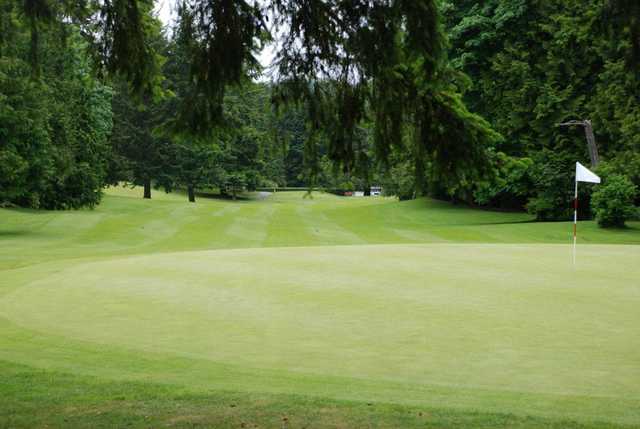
x=458 y=100
x=535 y=64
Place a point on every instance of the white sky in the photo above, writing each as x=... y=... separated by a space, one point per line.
x=164 y=10
x=166 y=13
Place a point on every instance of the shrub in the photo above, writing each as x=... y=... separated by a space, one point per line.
x=553 y=184
x=612 y=202
x=511 y=185
x=625 y=164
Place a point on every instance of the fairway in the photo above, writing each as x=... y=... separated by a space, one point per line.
x=368 y=300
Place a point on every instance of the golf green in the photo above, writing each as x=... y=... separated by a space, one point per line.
x=492 y=327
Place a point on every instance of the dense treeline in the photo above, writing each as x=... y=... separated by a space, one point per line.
x=458 y=100
x=535 y=64
x=343 y=67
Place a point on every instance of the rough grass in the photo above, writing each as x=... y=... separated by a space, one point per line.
x=328 y=312
x=35 y=398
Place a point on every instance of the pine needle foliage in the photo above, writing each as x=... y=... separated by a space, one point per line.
x=220 y=39
x=382 y=61
x=349 y=62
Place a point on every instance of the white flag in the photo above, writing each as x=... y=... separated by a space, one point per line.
x=583 y=174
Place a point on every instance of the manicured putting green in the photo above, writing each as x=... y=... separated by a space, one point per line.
x=512 y=328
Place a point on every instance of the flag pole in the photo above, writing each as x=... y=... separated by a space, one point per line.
x=575 y=220
x=582 y=175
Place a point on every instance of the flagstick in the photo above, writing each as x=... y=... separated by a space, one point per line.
x=582 y=175
x=575 y=221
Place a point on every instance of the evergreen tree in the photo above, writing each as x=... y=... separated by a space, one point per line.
x=140 y=147
x=54 y=120
x=349 y=61
x=140 y=152
x=535 y=64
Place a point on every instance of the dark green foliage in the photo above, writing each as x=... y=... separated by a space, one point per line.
x=80 y=124
x=140 y=154
x=25 y=143
x=497 y=44
x=235 y=155
x=453 y=166
x=218 y=40
x=400 y=180
x=241 y=161
x=625 y=21
x=535 y=64
x=349 y=111
x=361 y=65
x=248 y=142
x=125 y=43
x=625 y=163
x=347 y=61
x=290 y=133
x=368 y=85
x=194 y=165
x=613 y=201
x=141 y=150
x=185 y=162
x=54 y=126
x=38 y=12
x=119 y=33
x=510 y=187
x=553 y=179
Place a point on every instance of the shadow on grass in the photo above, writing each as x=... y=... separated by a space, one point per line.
x=16 y=233
x=246 y=196
x=513 y=222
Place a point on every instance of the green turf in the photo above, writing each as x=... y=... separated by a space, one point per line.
x=63 y=400
x=323 y=303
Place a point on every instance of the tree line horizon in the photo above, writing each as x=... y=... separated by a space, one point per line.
x=456 y=100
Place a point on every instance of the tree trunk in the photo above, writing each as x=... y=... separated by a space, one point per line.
x=591 y=143
x=192 y=194
x=419 y=187
x=147 y=189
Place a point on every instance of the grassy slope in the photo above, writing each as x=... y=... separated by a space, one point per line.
x=571 y=374
x=125 y=225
